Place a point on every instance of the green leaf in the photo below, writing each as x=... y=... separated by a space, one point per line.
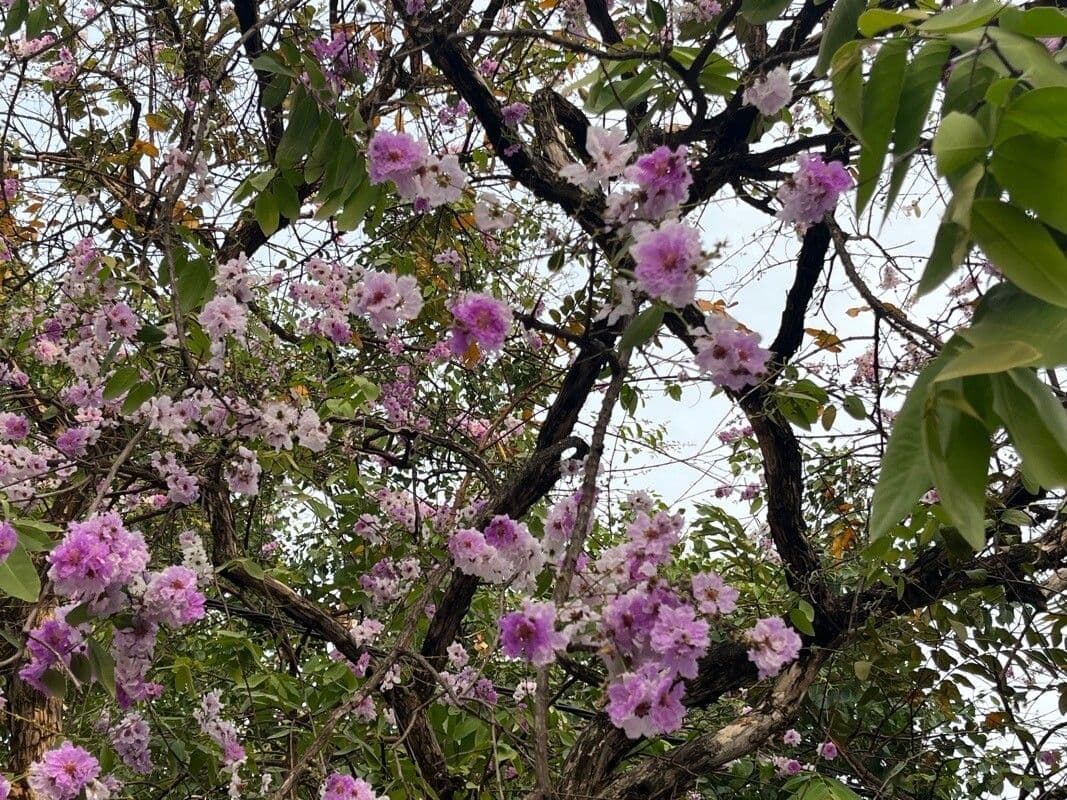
x=103 y=666
x=138 y=396
x=1018 y=56
x=356 y=207
x=642 y=328
x=657 y=13
x=18 y=576
x=1035 y=21
x=964 y=17
x=1037 y=423
x=16 y=15
x=846 y=74
x=801 y=622
x=1041 y=111
x=268 y=62
x=194 y=279
x=1007 y=314
x=1022 y=249
x=920 y=82
x=951 y=245
x=881 y=98
x=958 y=143
x=873 y=22
x=905 y=472
x=120 y=382
x=957 y=449
x=1023 y=165
x=840 y=27
x=275 y=92
x=288 y=200
x=862 y=669
x=853 y=406
x=268 y=215
x=760 y=11
x=994 y=357
x=299 y=134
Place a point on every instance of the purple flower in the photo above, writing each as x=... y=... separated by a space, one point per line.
x=774 y=644
x=791 y=737
x=667 y=259
x=827 y=750
x=481 y=319
x=713 y=595
x=813 y=191
x=664 y=178
x=63 y=773
x=95 y=556
x=771 y=93
x=396 y=157
x=646 y=703
x=514 y=114
x=732 y=356
x=9 y=537
x=531 y=634
x=73 y=442
x=345 y=787
x=679 y=639
x=172 y=598
x=14 y=427
x=5 y=787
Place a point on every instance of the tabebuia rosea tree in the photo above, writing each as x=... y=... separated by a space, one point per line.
x=599 y=399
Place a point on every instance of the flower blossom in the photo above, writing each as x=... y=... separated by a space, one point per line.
x=774 y=644
x=480 y=319
x=531 y=634
x=771 y=93
x=812 y=192
x=667 y=260
x=63 y=773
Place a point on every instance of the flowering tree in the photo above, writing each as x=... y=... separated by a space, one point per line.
x=335 y=352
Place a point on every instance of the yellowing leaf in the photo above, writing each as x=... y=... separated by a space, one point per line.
x=855 y=312
x=156 y=122
x=145 y=148
x=713 y=307
x=825 y=340
x=842 y=542
x=119 y=224
x=473 y=355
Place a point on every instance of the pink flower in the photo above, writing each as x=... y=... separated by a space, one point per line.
x=13 y=427
x=514 y=114
x=713 y=596
x=63 y=773
x=774 y=644
x=345 y=787
x=74 y=442
x=531 y=634
x=732 y=356
x=172 y=597
x=223 y=316
x=664 y=178
x=96 y=556
x=771 y=93
x=827 y=750
x=667 y=259
x=479 y=318
x=9 y=538
x=679 y=639
x=813 y=191
x=791 y=737
x=646 y=703
x=395 y=157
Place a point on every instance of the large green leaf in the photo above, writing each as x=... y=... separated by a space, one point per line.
x=642 y=327
x=1035 y=21
x=905 y=473
x=963 y=17
x=880 y=102
x=1007 y=314
x=268 y=215
x=957 y=449
x=1022 y=248
x=846 y=74
x=300 y=132
x=1037 y=423
x=1041 y=111
x=951 y=245
x=18 y=576
x=960 y=141
x=760 y=11
x=840 y=28
x=920 y=81
x=1015 y=55
x=1024 y=166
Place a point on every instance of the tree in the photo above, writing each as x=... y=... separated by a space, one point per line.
x=329 y=335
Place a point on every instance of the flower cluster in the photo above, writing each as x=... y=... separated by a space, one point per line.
x=63 y=773
x=773 y=645
x=97 y=557
x=732 y=355
x=505 y=550
x=479 y=319
x=812 y=192
x=667 y=262
x=345 y=787
x=771 y=93
x=430 y=181
x=530 y=634
x=9 y=538
x=221 y=731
